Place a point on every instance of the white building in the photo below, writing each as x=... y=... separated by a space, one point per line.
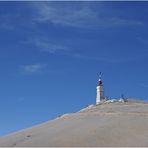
x=102 y=99
x=100 y=91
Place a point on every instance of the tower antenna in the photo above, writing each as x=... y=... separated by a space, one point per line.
x=100 y=74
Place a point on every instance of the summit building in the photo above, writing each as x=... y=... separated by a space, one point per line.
x=100 y=91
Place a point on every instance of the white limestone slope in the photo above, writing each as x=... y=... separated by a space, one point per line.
x=113 y=124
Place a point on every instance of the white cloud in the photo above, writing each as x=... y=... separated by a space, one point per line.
x=33 y=68
x=83 y=16
x=45 y=45
x=8 y=21
x=65 y=16
x=104 y=59
x=144 y=85
x=71 y=14
x=142 y=40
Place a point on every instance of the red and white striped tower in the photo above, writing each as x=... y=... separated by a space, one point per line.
x=100 y=91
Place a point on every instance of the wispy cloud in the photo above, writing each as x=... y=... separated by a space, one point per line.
x=142 y=40
x=144 y=85
x=65 y=15
x=83 y=16
x=71 y=14
x=8 y=21
x=45 y=45
x=106 y=59
x=33 y=68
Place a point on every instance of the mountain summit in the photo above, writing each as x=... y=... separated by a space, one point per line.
x=106 y=124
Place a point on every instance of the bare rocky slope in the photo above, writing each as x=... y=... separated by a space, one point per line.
x=110 y=124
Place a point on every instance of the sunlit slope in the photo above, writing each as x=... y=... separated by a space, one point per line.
x=113 y=124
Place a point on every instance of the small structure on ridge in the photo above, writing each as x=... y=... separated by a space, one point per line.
x=100 y=91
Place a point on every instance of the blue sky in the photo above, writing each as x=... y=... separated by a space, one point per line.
x=52 y=52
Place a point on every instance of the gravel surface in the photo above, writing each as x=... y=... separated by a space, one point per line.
x=113 y=124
